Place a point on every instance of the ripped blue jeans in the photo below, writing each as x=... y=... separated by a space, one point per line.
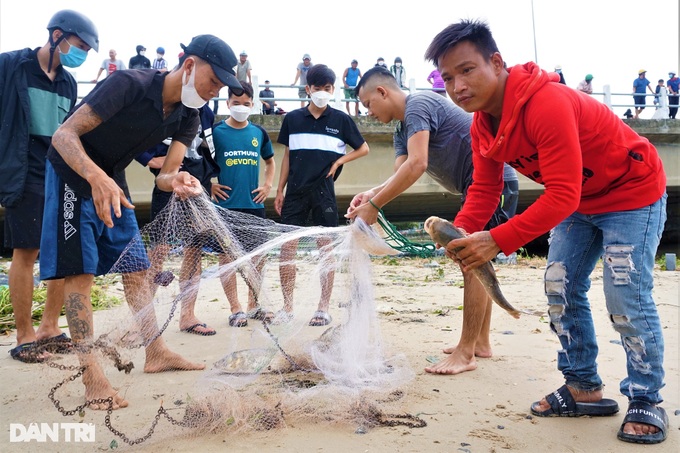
x=627 y=242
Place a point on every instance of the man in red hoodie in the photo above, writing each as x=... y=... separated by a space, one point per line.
x=605 y=197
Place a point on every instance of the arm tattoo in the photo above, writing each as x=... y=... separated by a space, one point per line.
x=66 y=139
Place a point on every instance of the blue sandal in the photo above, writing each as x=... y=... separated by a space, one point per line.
x=28 y=353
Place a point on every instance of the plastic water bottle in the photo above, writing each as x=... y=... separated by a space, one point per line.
x=670 y=261
x=502 y=258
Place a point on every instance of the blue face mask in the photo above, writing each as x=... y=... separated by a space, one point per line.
x=74 y=57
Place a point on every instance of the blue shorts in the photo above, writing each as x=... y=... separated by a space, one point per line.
x=75 y=241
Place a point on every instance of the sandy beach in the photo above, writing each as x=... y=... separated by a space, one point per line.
x=418 y=302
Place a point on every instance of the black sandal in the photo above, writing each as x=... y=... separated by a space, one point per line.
x=562 y=404
x=649 y=414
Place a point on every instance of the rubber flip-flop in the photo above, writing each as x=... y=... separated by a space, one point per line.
x=59 y=344
x=193 y=330
x=238 y=319
x=261 y=315
x=28 y=353
x=320 y=319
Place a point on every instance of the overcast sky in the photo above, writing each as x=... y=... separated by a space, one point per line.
x=611 y=39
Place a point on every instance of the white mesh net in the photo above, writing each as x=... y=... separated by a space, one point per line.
x=263 y=376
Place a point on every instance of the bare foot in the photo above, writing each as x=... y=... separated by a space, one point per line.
x=97 y=387
x=580 y=396
x=639 y=429
x=166 y=360
x=455 y=363
x=481 y=351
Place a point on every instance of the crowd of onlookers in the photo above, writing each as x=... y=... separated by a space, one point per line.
x=352 y=74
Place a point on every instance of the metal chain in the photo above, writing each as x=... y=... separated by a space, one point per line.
x=79 y=409
x=109 y=402
x=416 y=423
x=290 y=360
x=113 y=354
x=152 y=428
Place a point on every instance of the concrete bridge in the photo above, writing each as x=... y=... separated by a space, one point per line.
x=426 y=197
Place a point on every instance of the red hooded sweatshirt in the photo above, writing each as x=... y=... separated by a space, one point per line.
x=587 y=159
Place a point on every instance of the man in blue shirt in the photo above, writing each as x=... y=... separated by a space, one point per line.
x=350 y=79
x=640 y=85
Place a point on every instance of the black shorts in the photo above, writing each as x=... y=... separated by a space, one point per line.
x=640 y=102
x=319 y=204
x=23 y=222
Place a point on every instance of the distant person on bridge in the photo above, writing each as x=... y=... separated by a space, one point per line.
x=301 y=75
x=399 y=72
x=244 y=68
x=586 y=84
x=267 y=99
x=558 y=70
x=110 y=65
x=160 y=63
x=433 y=136
x=640 y=86
x=604 y=201
x=139 y=61
x=673 y=84
x=349 y=80
x=435 y=79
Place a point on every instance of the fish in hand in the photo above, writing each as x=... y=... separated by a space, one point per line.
x=442 y=232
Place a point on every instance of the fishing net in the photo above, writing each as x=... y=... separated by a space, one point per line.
x=266 y=375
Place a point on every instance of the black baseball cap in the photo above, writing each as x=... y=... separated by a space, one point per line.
x=218 y=54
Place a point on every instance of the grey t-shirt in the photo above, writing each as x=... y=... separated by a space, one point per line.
x=450 y=149
x=242 y=71
x=303 y=72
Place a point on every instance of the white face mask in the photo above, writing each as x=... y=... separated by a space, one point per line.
x=142 y=52
x=321 y=98
x=190 y=96
x=240 y=113
x=397 y=65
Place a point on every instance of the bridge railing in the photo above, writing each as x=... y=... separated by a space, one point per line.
x=609 y=98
